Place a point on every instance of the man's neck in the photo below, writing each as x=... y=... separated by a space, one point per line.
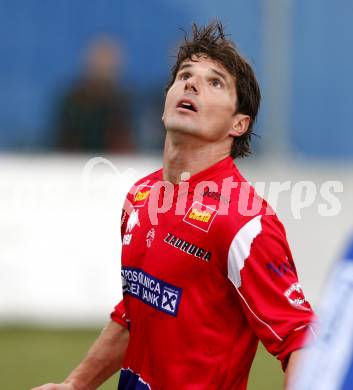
x=191 y=157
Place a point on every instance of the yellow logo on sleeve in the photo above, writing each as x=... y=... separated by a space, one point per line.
x=141 y=195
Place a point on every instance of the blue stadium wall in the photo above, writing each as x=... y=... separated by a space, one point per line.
x=322 y=68
x=42 y=41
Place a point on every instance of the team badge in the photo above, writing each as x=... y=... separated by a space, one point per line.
x=150 y=237
x=296 y=298
x=200 y=216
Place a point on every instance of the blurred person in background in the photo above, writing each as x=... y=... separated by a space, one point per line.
x=328 y=363
x=200 y=287
x=94 y=114
x=152 y=132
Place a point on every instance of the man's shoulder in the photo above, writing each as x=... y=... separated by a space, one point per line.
x=244 y=204
x=143 y=185
x=150 y=179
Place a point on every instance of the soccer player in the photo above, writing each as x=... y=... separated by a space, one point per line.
x=206 y=267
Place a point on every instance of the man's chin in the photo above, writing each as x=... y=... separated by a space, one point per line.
x=181 y=129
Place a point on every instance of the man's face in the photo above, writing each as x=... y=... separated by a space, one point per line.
x=201 y=101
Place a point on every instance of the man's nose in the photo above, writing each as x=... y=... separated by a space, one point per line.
x=191 y=85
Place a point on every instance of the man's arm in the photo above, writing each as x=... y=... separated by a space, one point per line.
x=291 y=367
x=103 y=359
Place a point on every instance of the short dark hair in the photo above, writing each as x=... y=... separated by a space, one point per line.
x=211 y=41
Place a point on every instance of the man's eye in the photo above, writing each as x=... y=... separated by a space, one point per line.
x=184 y=76
x=216 y=83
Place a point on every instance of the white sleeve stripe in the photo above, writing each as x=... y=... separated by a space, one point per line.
x=313 y=332
x=239 y=249
x=301 y=327
x=258 y=318
x=309 y=326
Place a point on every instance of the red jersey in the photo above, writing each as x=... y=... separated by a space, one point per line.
x=204 y=279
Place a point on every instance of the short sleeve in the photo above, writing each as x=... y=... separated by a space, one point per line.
x=261 y=268
x=126 y=211
x=119 y=314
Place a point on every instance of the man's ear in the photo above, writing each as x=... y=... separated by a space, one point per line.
x=240 y=125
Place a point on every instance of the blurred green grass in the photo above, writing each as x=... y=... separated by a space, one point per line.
x=30 y=357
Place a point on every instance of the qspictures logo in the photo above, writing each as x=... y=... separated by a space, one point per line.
x=200 y=216
x=302 y=196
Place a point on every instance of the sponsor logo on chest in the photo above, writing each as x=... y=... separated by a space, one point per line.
x=200 y=216
x=187 y=247
x=150 y=290
x=215 y=195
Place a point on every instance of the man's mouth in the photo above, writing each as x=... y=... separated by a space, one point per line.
x=187 y=105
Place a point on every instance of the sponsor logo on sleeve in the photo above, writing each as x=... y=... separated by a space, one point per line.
x=295 y=297
x=127 y=239
x=200 y=216
x=279 y=269
x=131 y=223
x=141 y=195
x=152 y=291
x=187 y=247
